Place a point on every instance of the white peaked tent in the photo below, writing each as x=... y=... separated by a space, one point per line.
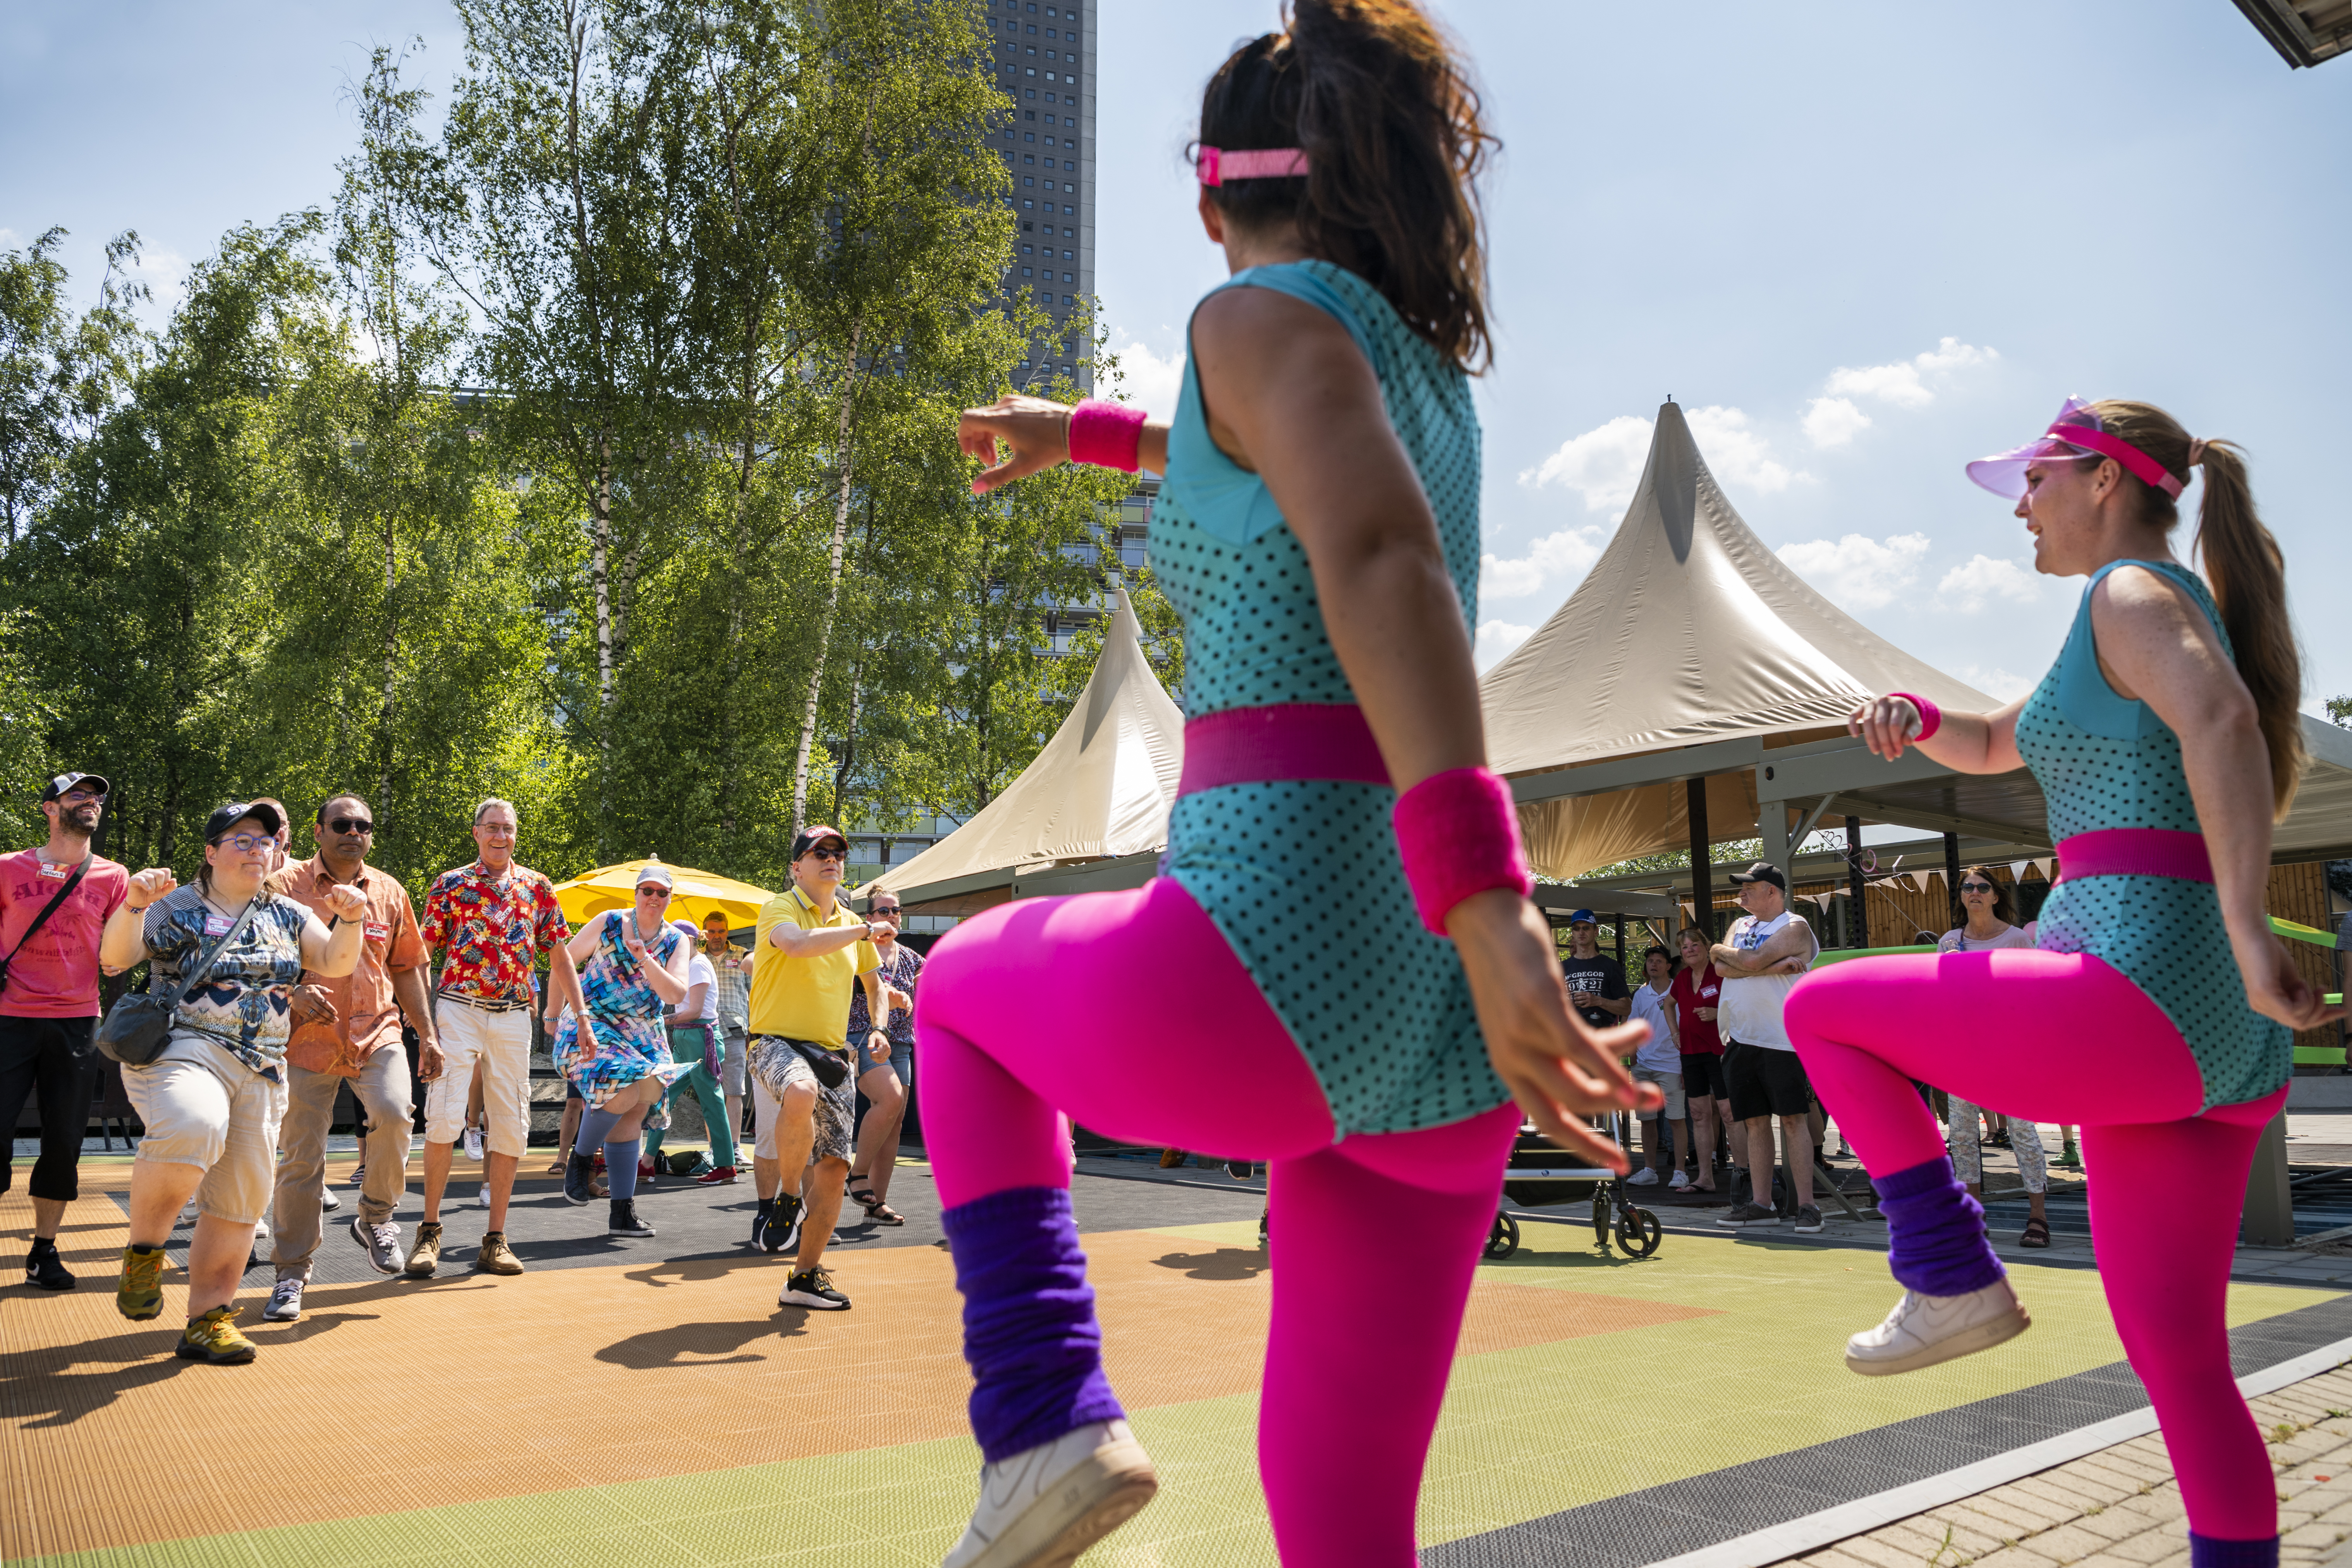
x=1101 y=788
x=1688 y=631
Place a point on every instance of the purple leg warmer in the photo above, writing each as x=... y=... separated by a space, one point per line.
x=1936 y=1234
x=1029 y=1329
x=2204 y=1551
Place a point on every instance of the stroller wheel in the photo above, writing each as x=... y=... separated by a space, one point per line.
x=1504 y=1240
x=1601 y=1215
x=1638 y=1232
x=1262 y=1214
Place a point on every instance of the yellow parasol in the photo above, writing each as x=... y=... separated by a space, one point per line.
x=695 y=893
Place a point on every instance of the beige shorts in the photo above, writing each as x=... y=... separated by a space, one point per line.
x=203 y=1107
x=776 y=1067
x=501 y=1043
x=1669 y=1084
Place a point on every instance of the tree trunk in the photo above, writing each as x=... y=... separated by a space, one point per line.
x=391 y=665
x=833 y=587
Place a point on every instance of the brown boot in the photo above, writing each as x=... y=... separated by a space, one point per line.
x=425 y=1256
x=496 y=1257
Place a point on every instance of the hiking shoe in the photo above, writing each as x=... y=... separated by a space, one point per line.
x=1747 y=1214
x=1646 y=1176
x=1809 y=1220
x=139 y=1294
x=474 y=1144
x=782 y=1218
x=625 y=1220
x=382 y=1245
x=214 y=1338
x=44 y=1268
x=717 y=1176
x=284 y=1302
x=813 y=1288
x=1928 y=1331
x=495 y=1256
x=1041 y=1508
x=579 y=1179
x=425 y=1256
x=327 y=1200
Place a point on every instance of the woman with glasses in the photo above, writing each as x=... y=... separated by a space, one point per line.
x=631 y=962
x=211 y=1100
x=1990 y=925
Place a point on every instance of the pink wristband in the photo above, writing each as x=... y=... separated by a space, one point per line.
x=1108 y=435
x=1931 y=718
x=1458 y=833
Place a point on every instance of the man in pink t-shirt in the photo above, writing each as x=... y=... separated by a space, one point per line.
x=48 y=1001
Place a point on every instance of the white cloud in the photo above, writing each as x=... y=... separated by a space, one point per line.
x=1569 y=553
x=1605 y=463
x=1969 y=588
x=1497 y=639
x=1834 y=421
x=1997 y=683
x=1857 y=572
x=1151 y=381
x=1904 y=383
x=1736 y=455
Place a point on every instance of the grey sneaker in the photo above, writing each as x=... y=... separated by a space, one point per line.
x=1809 y=1220
x=284 y=1302
x=1746 y=1215
x=382 y=1245
x=1049 y=1504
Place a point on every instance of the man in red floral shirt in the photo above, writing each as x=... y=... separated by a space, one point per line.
x=490 y=921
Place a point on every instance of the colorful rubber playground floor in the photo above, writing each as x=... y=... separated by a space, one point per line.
x=649 y=1402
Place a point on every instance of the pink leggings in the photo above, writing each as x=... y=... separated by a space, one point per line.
x=2064 y=1037
x=1128 y=1012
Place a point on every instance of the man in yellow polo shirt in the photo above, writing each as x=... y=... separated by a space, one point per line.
x=809 y=954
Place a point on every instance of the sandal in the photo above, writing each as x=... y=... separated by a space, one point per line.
x=876 y=1209
x=2037 y=1233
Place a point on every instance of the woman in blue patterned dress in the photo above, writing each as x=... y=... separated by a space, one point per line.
x=631 y=962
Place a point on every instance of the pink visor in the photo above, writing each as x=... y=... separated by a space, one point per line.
x=1216 y=165
x=2075 y=433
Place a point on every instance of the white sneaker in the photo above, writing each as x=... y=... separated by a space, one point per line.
x=261 y=1230
x=329 y=1201
x=1041 y=1508
x=483 y=1197
x=1681 y=1183
x=474 y=1144
x=187 y=1212
x=1928 y=1331
x=1644 y=1177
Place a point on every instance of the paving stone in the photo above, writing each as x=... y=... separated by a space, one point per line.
x=2068 y=1542
x=2015 y=1557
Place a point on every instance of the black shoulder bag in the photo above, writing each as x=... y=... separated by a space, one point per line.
x=135 y=1028
x=59 y=897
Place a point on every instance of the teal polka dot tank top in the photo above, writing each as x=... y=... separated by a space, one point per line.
x=2103 y=760
x=1302 y=877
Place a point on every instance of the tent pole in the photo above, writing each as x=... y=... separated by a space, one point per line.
x=1855 y=889
x=1702 y=874
x=1952 y=879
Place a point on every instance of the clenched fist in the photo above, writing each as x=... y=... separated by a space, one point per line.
x=155 y=882
x=346 y=903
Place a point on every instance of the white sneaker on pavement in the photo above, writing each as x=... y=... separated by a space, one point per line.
x=483 y=1197
x=1928 y=1331
x=1681 y=1183
x=1041 y=1508
x=1644 y=1177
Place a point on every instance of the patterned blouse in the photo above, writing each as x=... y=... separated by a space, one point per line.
x=492 y=931
x=898 y=971
x=243 y=1002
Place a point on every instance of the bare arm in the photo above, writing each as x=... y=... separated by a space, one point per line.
x=1034 y=435
x=2154 y=644
x=877 y=1043
x=582 y=944
x=1794 y=940
x=408 y=989
x=562 y=985
x=124 y=941
x=1965 y=742
x=786 y=937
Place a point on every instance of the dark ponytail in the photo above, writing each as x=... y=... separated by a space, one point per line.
x=2242 y=562
x=1389 y=121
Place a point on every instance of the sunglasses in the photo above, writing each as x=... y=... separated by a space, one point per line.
x=350 y=825
x=885 y=910
x=1976 y=887
x=830 y=854
x=655 y=889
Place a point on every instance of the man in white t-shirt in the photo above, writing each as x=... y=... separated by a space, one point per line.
x=1760 y=958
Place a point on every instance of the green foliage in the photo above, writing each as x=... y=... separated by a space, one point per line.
x=2339 y=711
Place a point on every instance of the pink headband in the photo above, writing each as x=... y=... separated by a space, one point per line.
x=2122 y=451
x=1216 y=167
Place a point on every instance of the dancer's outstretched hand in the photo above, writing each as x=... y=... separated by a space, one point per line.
x=1013 y=437
x=1558 y=1069
x=1886 y=724
x=2276 y=989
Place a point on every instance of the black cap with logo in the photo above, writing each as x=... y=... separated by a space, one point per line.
x=228 y=816
x=64 y=782
x=1762 y=871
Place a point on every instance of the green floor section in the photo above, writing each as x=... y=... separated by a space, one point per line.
x=1525 y=1432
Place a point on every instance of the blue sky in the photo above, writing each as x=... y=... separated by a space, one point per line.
x=1859 y=243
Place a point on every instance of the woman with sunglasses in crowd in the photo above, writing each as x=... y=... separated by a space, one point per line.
x=1990 y=925
x=2155 y=1007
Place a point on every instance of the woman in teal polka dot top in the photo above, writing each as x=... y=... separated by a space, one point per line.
x=2155 y=1007
x=1330 y=975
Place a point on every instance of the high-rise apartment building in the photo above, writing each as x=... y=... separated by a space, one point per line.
x=1045 y=61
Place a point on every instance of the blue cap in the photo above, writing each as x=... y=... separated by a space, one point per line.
x=1585 y=915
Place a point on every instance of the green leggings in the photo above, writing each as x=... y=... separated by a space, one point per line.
x=686 y=1046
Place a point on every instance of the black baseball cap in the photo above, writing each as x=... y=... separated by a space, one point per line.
x=1762 y=871
x=64 y=782
x=228 y=816
x=817 y=833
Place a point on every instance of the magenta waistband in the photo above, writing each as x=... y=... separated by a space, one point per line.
x=1287 y=741
x=2135 y=852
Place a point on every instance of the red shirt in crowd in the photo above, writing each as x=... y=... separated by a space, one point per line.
x=1699 y=1035
x=55 y=975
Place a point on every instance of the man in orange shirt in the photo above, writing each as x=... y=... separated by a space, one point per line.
x=348 y=1030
